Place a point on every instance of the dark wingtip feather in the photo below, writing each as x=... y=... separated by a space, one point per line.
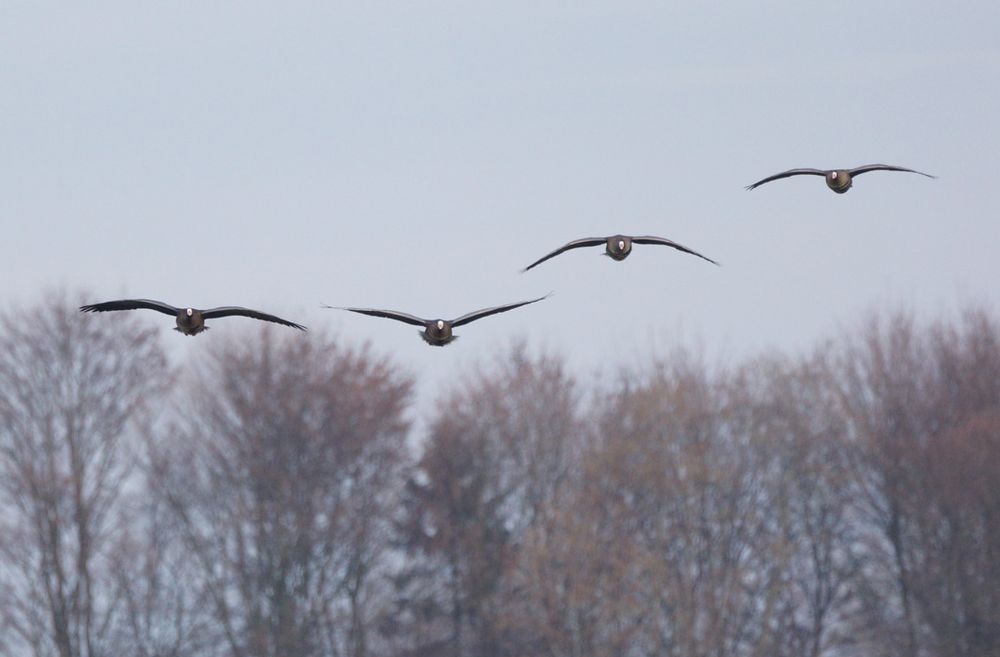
x=347 y=308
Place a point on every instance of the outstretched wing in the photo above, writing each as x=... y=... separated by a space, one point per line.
x=388 y=314
x=884 y=167
x=650 y=239
x=131 y=304
x=479 y=314
x=575 y=244
x=229 y=311
x=786 y=174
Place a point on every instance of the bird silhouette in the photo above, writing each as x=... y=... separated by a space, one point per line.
x=438 y=332
x=617 y=247
x=839 y=180
x=190 y=321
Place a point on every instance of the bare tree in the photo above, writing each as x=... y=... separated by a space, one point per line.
x=921 y=404
x=498 y=450
x=580 y=574
x=662 y=547
x=70 y=389
x=880 y=375
x=813 y=501
x=162 y=614
x=285 y=468
x=956 y=553
x=952 y=503
x=843 y=503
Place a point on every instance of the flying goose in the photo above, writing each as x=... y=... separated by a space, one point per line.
x=617 y=247
x=839 y=180
x=438 y=332
x=190 y=321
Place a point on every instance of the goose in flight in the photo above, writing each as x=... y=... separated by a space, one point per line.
x=438 y=332
x=618 y=247
x=839 y=180
x=190 y=321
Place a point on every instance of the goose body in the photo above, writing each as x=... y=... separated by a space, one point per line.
x=190 y=321
x=617 y=247
x=839 y=180
x=438 y=332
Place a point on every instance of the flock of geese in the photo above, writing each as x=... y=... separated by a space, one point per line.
x=439 y=332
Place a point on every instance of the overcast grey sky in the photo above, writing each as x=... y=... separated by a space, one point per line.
x=415 y=156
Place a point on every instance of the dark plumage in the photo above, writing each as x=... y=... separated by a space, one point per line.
x=190 y=321
x=618 y=247
x=438 y=332
x=839 y=180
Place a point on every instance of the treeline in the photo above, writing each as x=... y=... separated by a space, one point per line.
x=269 y=497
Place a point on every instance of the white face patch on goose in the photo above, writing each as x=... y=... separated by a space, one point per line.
x=440 y=325
x=190 y=312
x=621 y=244
x=833 y=174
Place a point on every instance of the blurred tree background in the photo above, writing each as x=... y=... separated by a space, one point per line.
x=274 y=500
